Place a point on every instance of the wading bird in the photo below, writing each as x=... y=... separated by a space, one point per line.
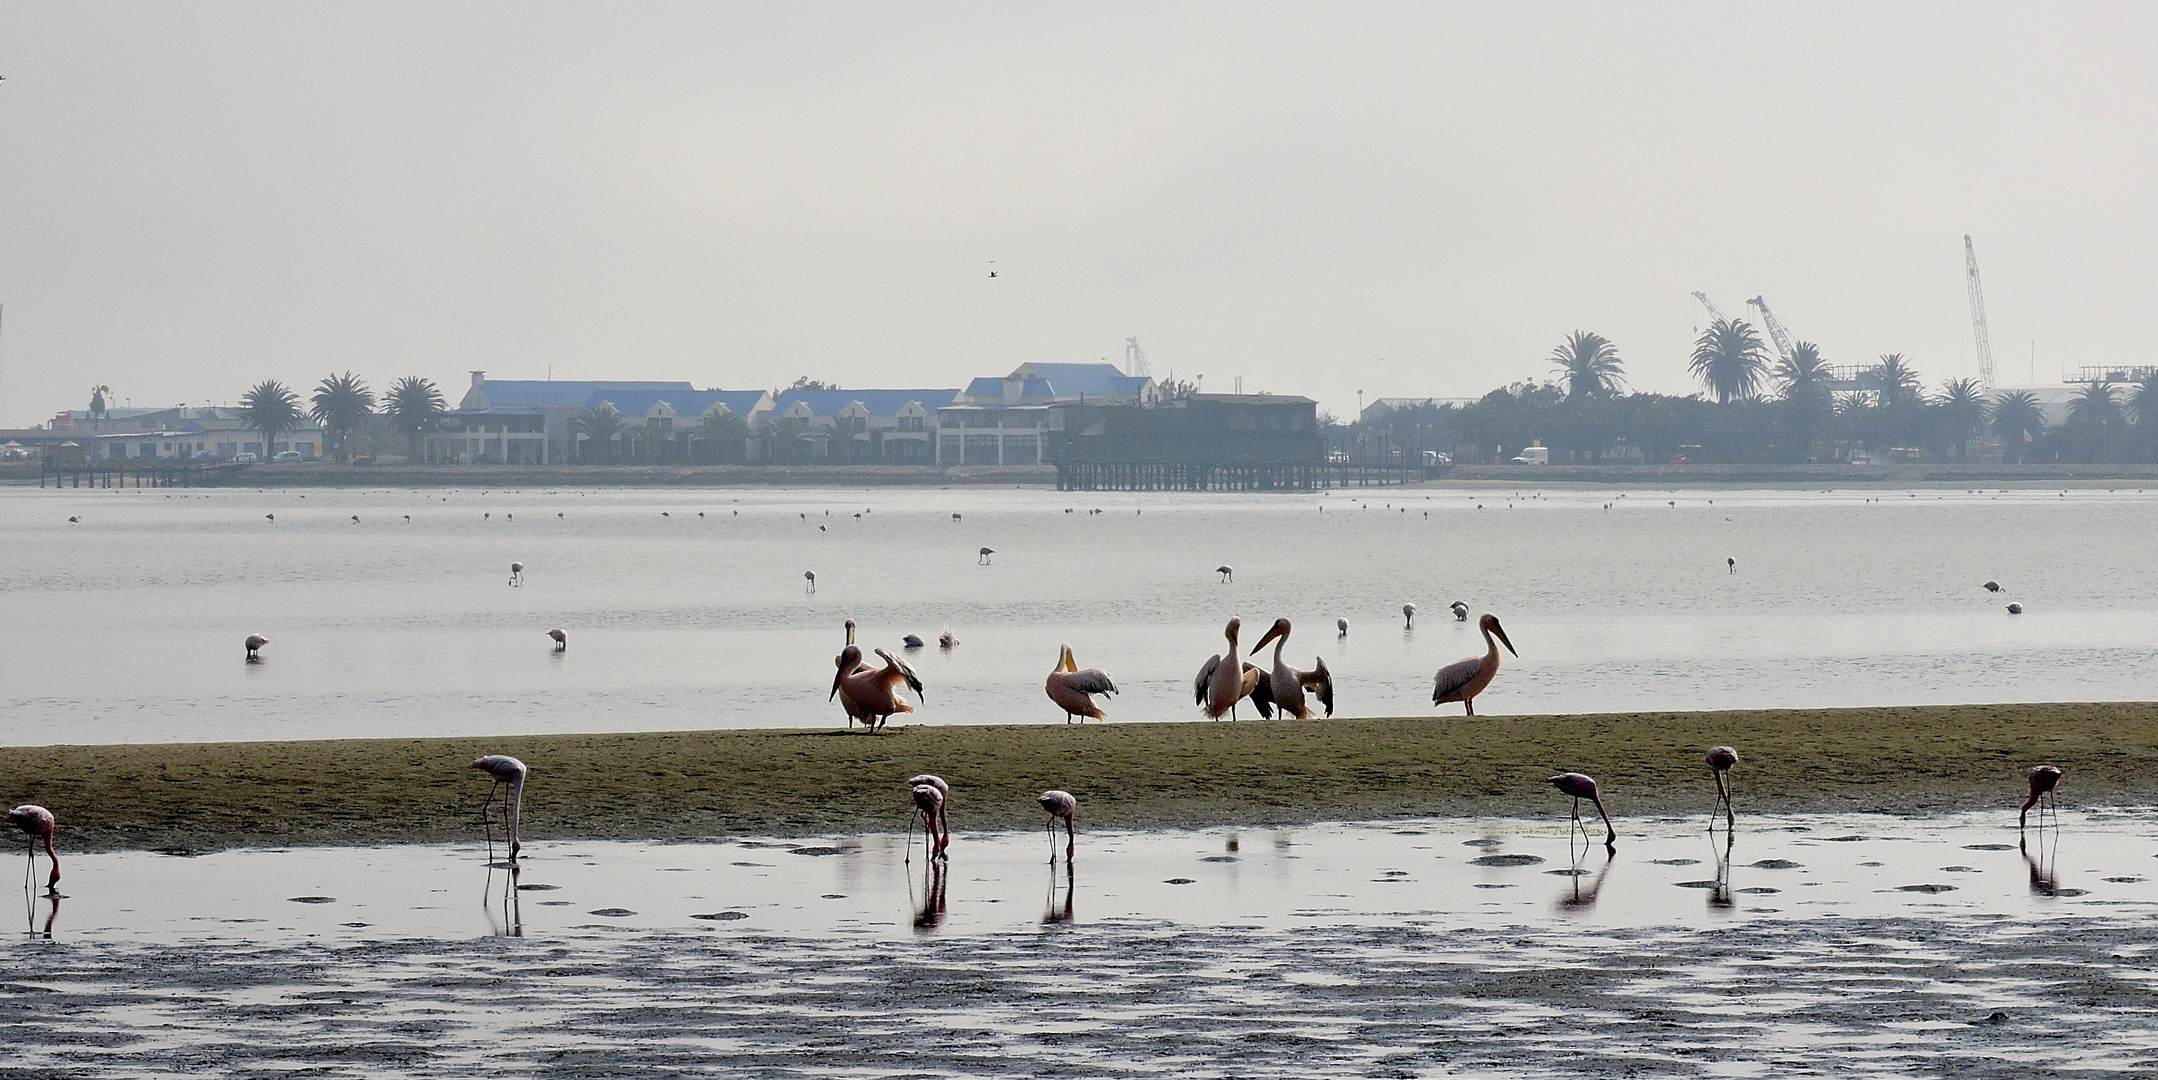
x=944 y=792
x=561 y=639
x=1408 y=616
x=1060 y=804
x=36 y=823
x=254 y=643
x=947 y=639
x=1343 y=626
x=873 y=693
x=2015 y=609
x=517 y=573
x=1991 y=586
x=1221 y=681
x=1462 y=680
x=1072 y=689
x=1287 y=684
x=929 y=806
x=73 y=520
x=1732 y=563
x=912 y=641
x=811 y=577
x=1460 y=610
x=849 y=662
x=1580 y=786
x=2044 y=779
x=269 y=517
x=506 y=770
x=1720 y=760
x=986 y=552
x=1227 y=572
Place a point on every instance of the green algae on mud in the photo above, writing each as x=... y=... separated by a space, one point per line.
x=687 y=785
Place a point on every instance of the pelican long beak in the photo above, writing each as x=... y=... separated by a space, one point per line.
x=1065 y=659
x=1501 y=632
x=1272 y=632
x=840 y=674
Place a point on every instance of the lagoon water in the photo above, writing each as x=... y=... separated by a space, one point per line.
x=687 y=608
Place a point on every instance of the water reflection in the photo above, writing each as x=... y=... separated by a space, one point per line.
x=1579 y=897
x=1055 y=915
x=1719 y=893
x=511 y=922
x=31 y=900
x=2043 y=856
x=929 y=912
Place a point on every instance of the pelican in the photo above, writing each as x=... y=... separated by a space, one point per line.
x=874 y=691
x=1462 y=680
x=1408 y=616
x=1227 y=572
x=849 y=662
x=1072 y=689
x=1288 y=684
x=1222 y=682
x=1461 y=611
x=947 y=639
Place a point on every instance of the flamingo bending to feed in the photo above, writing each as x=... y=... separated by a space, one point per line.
x=2044 y=779
x=1073 y=689
x=506 y=770
x=561 y=639
x=1287 y=684
x=1581 y=786
x=929 y=805
x=1060 y=804
x=1720 y=760
x=1460 y=610
x=873 y=693
x=517 y=573
x=1227 y=572
x=1408 y=616
x=36 y=822
x=986 y=552
x=254 y=643
x=1462 y=680
x=944 y=793
x=1343 y=626
x=811 y=577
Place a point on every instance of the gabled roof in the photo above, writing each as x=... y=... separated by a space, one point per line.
x=878 y=402
x=690 y=404
x=567 y=393
x=1077 y=380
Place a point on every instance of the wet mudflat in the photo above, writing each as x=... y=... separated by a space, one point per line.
x=1833 y=944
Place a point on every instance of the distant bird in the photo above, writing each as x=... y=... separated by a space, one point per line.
x=36 y=822
x=1582 y=787
x=1720 y=760
x=506 y=770
x=663 y=513
x=561 y=639
x=1287 y=684
x=1060 y=804
x=874 y=691
x=1072 y=689
x=1460 y=610
x=992 y=273
x=2015 y=609
x=255 y=642
x=911 y=641
x=811 y=577
x=1408 y=616
x=269 y=517
x=1991 y=586
x=955 y=517
x=1343 y=626
x=2044 y=779
x=1227 y=572
x=824 y=528
x=73 y=520
x=986 y=552
x=947 y=639
x=1732 y=563
x=517 y=573
x=408 y=517
x=1462 y=680
x=929 y=806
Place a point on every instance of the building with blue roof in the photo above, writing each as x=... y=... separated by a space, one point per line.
x=534 y=421
x=855 y=427
x=1005 y=421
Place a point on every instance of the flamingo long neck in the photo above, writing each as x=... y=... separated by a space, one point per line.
x=517 y=805
x=55 y=857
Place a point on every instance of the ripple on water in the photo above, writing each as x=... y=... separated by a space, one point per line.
x=1507 y=860
x=1773 y=864
x=312 y=899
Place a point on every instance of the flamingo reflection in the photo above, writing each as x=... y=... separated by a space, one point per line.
x=1719 y=894
x=52 y=913
x=1580 y=897
x=1055 y=915
x=929 y=914
x=2045 y=863
x=512 y=921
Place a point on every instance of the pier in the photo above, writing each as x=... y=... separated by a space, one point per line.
x=144 y=472
x=1225 y=476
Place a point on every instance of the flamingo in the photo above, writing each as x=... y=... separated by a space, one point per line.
x=1720 y=760
x=1732 y=563
x=1462 y=680
x=1581 y=786
x=986 y=552
x=874 y=692
x=1460 y=610
x=2015 y=609
x=1072 y=689
x=1287 y=684
x=944 y=794
x=911 y=641
x=2044 y=778
x=506 y=770
x=1408 y=616
x=1060 y=804
x=517 y=573
x=254 y=643
x=561 y=639
x=1343 y=626
x=1991 y=586
x=929 y=804
x=1227 y=572
x=811 y=577
x=36 y=823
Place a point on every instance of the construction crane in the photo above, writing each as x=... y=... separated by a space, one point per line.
x=1775 y=329
x=1978 y=316
x=1714 y=312
x=1135 y=364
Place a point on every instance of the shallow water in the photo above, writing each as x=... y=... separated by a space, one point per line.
x=126 y=627
x=1885 y=946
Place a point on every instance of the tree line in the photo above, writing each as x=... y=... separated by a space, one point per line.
x=1761 y=408
x=344 y=406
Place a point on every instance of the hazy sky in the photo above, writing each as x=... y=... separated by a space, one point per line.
x=1416 y=199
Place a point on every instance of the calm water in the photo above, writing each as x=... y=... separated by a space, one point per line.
x=127 y=626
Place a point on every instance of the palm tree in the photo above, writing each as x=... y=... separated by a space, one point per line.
x=1963 y=409
x=270 y=408
x=723 y=432
x=414 y=407
x=342 y=404
x=1899 y=381
x=1590 y=365
x=602 y=426
x=1805 y=376
x=2017 y=420
x=2097 y=405
x=2145 y=402
x=1730 y=359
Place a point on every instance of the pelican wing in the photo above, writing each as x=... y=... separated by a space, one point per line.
x=1198 y=685
x=1453 y=677
x=900 y=668
x=1320 y=682
x=1260 y=689
x=1090 y=681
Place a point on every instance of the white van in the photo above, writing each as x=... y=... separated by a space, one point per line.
x=1534 y=455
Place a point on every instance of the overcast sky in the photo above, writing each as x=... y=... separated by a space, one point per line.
x=1415 y=199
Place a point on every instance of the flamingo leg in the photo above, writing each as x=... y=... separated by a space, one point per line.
x=911 y=815
x=1052 y=841
x=487 y=819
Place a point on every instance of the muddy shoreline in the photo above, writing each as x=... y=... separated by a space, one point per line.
x=691 y=785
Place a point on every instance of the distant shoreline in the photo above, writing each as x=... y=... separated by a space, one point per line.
x=658 y=786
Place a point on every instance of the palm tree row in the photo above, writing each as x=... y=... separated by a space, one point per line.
x=343 y=405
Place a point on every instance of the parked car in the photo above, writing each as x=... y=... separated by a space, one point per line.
x=1534 y=455
x=289 y=457
x=245 y=459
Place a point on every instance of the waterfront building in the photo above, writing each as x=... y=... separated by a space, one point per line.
x=854 y=427
x=534 y=421
x=1005 y=421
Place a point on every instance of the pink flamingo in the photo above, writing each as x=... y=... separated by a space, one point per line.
x=254 y=643
x=1060 y=804
x=2044 y=779
x=1720 y=760
x=506 y=770
x=873 y=693
x=944 y=792
x=561 y=639
x=1580 y=786
x=1073 y=689
x=929 y=804
x=1462 y=680
x=517 y=573
x=36 y=822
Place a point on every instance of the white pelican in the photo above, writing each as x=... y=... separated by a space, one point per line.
x=1462 y=680
x=1072 y=688
x=1223 y=681
x=849 y=661
x=1288 y=684
x=874 y=691
x=947 y=639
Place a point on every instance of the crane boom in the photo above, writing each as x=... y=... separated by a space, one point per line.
x=1135 y=359
x=1978 y=315
x=1714 y=312
x=1775 y=329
